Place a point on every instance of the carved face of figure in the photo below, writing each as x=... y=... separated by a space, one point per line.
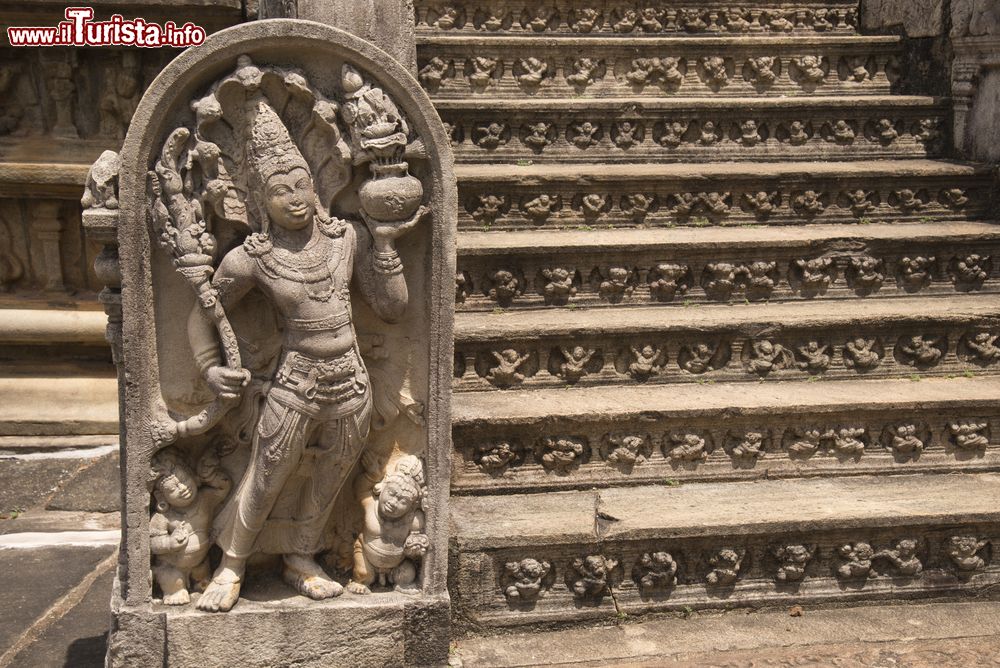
x=863 y=551
x=964 y=545
x=531 y=569
x=179 y=488
x=396 y=500
x=290 y=199
x=595 y=566
x=797 y=552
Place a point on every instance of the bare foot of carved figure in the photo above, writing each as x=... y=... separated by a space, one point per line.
x=223 y=591
x=358 y=588
x=305 y=575
x=181 y=597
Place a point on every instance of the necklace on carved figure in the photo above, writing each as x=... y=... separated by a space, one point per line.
x=309 y=267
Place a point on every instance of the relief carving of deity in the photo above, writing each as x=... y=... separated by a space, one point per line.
x=244 y=205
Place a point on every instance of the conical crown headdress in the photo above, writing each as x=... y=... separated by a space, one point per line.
x=270 y=149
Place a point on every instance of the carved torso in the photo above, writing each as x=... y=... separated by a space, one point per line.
x=309 y=287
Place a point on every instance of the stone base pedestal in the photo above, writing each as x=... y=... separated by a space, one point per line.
x=272 y=627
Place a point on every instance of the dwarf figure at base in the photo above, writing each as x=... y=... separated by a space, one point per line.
x=179 y=529
x=392 y=541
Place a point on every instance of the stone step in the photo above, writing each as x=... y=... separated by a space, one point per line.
x=59 y=405
x=622 y=129
x=530 y=196
x=47 y=342
x=545 y=439
x=54 y=489
x=909 y=337
x=460 y=66
x=61 y=177
x=682 y=267
x=607 y=17
x=912 y=633
x=52 y=326
x=604 y=555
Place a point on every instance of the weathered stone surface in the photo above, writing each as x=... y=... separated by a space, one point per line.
x=49 y=521
x=983 y=128
x=79 y=638
x=952 y=633
x=528 y=196
x=684 y=18
x=95 y=489
x=272 y=627
x=545 y=130
x=58 y=406
x=771 y=543
x=368 y=111
x=919 y=18
x=484 y=65
x=974 y=18
x=35 y=326
x=632 y=267
x=388 y=24
x=38 y=578
x=350 y=631
x=27 y=483
x=511 y=67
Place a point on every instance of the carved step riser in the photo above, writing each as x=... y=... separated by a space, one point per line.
x=889 y=350
x=645 y=134
x=567 y=454
x=610 y=17
x=631 y=278
x=745 y=201
x=621 y=68
x=479 y=582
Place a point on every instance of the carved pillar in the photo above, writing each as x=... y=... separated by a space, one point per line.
x=388 y=24
x=59 y=68
x=975 y=78
x=47 y=227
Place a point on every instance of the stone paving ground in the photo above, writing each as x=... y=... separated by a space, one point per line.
x=58 y=549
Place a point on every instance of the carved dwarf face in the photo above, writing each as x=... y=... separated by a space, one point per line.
x=396 y=500
x=290 y=199
x=595 y=566
x=532 y=569
x=178 y=488
x=965 y=546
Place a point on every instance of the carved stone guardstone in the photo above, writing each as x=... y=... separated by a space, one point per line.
x=285 y=214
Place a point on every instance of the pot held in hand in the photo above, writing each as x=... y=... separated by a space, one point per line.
x=393 y=195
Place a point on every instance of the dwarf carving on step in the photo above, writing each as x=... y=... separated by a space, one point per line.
x=393 y=539
x=179 y=528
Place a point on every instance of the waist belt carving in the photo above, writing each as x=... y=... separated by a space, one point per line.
x=327 y=381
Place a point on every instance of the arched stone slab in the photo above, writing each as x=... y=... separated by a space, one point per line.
x=404 y=368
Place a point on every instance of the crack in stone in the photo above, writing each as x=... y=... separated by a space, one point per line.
x=600 y=515
x=58 y=610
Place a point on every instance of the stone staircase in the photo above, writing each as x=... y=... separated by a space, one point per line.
x=726 y=316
